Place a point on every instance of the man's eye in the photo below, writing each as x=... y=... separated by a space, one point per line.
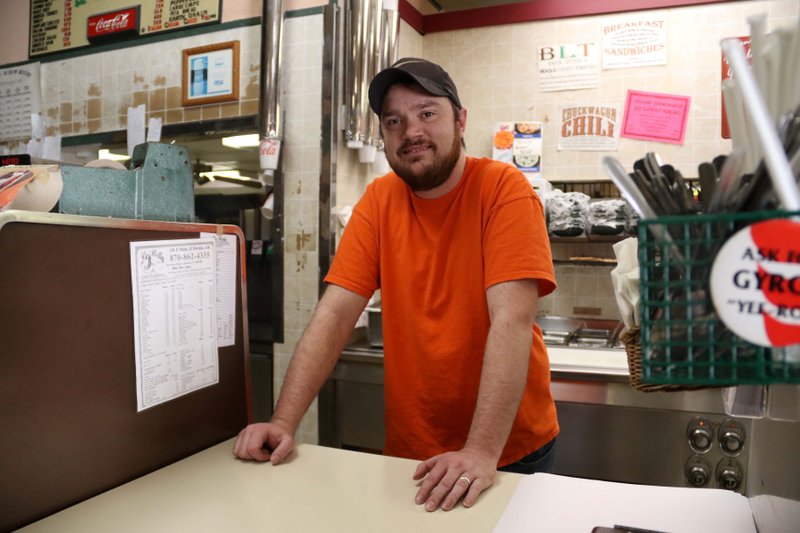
x=392 y=122
x=429 y=114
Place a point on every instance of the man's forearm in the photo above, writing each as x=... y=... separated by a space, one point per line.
x=503 y=379
x=316 y=354
x=512 y=311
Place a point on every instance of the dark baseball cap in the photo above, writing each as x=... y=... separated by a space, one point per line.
x=430 y=76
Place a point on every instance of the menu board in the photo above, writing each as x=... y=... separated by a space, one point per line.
x=62 y=24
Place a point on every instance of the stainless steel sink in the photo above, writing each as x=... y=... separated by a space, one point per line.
x=556 y=330
x=580 y=332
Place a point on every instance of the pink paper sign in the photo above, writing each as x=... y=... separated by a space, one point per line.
x=655 y=117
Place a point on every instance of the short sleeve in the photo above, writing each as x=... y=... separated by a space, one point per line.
x=356 y=263
x=515 y=241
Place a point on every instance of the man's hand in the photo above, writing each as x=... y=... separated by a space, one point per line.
x=453 y=475
x=251 y=442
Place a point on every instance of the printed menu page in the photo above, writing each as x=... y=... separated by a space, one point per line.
x=20 y=97
x=174 y=316
x=226 y=249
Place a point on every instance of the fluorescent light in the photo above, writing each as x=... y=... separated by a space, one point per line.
x=241 y=141
x=234 y=174
x=106 y=154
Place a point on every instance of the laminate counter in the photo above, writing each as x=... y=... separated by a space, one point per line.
x=317 y=489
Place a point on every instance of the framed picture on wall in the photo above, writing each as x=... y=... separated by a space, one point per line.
x=211 y=74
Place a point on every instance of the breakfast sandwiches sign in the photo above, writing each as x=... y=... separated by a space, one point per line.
x=636 y=42
x=589 y=127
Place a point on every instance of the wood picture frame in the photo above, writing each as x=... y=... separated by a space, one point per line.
x=210 y=74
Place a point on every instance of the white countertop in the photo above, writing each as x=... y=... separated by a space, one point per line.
x=318 y=489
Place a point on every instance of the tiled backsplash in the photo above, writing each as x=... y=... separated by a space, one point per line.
x=92 y=93
x=583 y=291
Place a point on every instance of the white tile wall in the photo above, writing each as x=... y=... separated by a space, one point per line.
x=121 y=78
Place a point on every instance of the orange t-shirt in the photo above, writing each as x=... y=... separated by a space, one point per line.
x=433 y=261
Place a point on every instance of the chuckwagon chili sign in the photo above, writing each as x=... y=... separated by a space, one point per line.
x=755 y=283
x=588 y=127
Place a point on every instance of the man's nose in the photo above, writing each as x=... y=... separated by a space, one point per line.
x=413 y=129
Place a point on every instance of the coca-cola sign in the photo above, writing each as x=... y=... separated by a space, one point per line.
x=113 y=23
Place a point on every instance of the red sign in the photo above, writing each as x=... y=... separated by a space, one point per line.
x=15 y=159
x=113 y=23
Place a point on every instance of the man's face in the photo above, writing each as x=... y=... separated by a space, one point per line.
x=421 y=134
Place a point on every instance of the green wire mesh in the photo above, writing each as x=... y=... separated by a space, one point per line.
x=683 y=340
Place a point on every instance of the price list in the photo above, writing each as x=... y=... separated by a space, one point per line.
x=62 y=24
x=20 y=97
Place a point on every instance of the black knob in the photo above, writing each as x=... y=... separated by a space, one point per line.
x=700 y=433
x=731 y=442
x=731 y=437
x=697 y=475
x=698 y=471
x=700 y=438
x=729 y=479
x=729 y=473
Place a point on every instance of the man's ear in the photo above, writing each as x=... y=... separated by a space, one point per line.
x=462 y=118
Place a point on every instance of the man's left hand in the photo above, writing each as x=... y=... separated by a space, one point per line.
x=453 y=475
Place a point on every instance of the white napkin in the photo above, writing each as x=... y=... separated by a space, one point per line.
x=625 y=279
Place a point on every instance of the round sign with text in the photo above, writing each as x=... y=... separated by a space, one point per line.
x=755 y=283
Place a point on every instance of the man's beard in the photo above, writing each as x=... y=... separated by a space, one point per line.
x=432 y=175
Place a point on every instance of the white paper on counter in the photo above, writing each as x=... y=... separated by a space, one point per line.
x=547 y=502
x=174 y=322
x=51 y=148
x=226 y=249
x=154 y=129
x=37 y=126
x=135 y=127
x=35 y=148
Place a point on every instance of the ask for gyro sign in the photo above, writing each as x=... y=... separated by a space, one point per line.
x=755 y=283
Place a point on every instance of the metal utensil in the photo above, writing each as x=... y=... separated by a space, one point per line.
x=681 y=190
x=728 y=177
x=708 y=184
x=777 y=163
x=627 y=188
x=634 y=196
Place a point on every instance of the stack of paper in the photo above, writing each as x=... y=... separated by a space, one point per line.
x=546 y=502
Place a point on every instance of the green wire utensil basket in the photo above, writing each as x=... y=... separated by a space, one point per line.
x=683 y=341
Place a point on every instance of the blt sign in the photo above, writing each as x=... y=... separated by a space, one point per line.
x=566 y=51
x=755 y=283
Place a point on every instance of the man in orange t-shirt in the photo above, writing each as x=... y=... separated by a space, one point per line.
x=459 y=249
